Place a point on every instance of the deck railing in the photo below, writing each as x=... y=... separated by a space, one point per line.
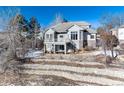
x=57 y=40
x=62 y=40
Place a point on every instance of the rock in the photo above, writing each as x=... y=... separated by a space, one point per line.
x=70 y=51
x=108 y=60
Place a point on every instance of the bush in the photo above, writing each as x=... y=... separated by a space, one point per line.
x=108 y=60
x=105 y=60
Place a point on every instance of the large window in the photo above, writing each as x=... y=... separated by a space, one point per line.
x=74 y=36
x=49 y=37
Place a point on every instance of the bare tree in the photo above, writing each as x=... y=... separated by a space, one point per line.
x=109 y=20
x=21 y=41
x=7 y=15
x=108 y=42
x=10 y=43
x=58 y=19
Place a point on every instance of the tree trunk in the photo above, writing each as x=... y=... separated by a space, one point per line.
x=112 y=53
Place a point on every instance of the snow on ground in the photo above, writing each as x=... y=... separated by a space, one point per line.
x=107 y=53
x=34 y=54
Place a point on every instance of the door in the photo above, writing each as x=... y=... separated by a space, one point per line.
x=85 y=34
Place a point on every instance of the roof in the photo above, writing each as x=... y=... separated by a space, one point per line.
x=63 y=27
x=92 y=31
x=114 y=29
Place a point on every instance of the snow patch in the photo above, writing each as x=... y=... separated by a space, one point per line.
x=34 y=54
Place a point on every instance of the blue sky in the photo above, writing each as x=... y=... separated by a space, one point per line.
x=46 y=14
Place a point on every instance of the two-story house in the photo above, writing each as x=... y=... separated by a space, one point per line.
x=69 y=36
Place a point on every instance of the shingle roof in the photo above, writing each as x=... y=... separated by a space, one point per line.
x=63 y=27
x=92 y=31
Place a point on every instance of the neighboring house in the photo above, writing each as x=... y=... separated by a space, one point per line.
x=121 y=34
x=69 y=36
x=40 y=35
x=114 y=31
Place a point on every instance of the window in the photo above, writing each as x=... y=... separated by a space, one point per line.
x=74 y=35
x=61 y=47
x=92 y=36
x=61 y=36
x=49 y=37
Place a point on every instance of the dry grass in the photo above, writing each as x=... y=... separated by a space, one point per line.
x=52 y=80
x=68 y=64
x=9 y=78
x=84 y=74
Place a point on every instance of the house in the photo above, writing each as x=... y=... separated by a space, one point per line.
x=114 y=31
x=67 y=36
x=40 y=35
x=121 y=34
